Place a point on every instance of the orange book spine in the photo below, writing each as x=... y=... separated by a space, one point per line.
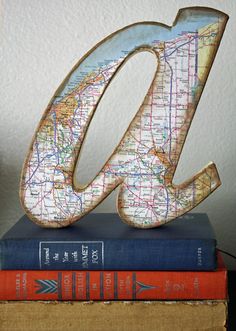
x=112 y=285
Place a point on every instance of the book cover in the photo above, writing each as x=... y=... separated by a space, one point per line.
x=104 y=242
x=113 y=285
x=115 y=316
x=132 y=316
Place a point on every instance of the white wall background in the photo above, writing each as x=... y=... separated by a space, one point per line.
x=40 y=42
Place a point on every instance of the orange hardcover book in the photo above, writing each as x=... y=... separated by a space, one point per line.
x=114 y=285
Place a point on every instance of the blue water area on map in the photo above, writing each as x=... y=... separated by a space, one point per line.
x=124 y=42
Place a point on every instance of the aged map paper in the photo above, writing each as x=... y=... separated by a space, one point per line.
x=144 y=162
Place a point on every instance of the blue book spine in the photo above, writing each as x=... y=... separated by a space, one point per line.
x=108 y=255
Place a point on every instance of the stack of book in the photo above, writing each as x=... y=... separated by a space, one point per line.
x=101 y=274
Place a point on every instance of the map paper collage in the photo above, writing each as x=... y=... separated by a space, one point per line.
x=144 y=162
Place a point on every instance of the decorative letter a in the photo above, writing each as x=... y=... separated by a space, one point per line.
x=144 y=162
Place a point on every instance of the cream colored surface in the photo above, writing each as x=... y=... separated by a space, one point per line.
x=42 y=40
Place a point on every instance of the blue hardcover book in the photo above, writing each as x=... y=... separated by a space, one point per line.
x=104 y=242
